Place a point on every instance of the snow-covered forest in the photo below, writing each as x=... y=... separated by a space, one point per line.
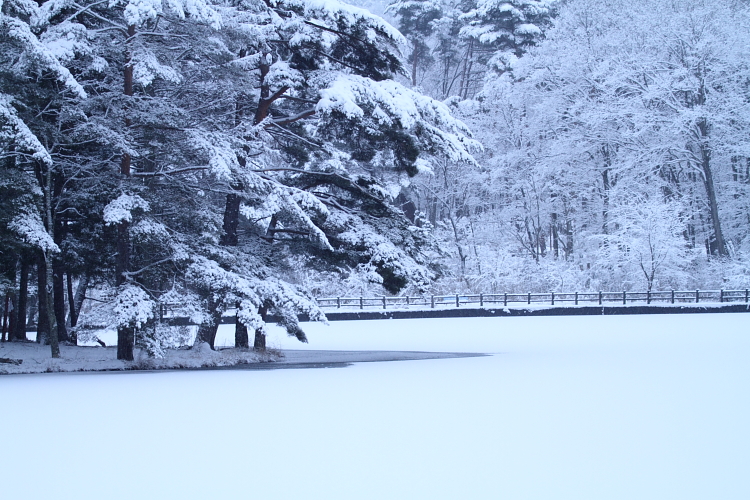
x=248 y=155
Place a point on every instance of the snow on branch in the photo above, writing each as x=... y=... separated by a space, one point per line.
x=331 y=13
x=120 y=209
x=133 y=307
x=140 y=11
x=30 y=227
x=37 y=52
x=15 y=131
x=388 y=103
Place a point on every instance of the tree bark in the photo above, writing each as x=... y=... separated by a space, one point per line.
x=241 y=338
x=43 y=326
x=80 y=296
x=12 y=314
x=259 y=343
x=46 y=254
x=72 y=315
x=414 y=55
x=555 y=236
x=6 y=307
x=125 y=333
x=720 y=243
x=23 y=297
x=207 y=331
x=58 y=293
x=230 y=237
x=605 y=201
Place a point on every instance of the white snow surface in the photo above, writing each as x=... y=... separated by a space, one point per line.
x=593 y=407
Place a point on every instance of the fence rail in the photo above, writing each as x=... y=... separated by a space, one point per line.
x=550 y=298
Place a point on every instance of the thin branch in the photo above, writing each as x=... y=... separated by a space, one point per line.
x=169 y=172
x=291 y=119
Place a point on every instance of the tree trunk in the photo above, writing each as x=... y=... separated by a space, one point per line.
x=241 y=338
x=260 y=338
x=43 y=327
x=414 y=56
x=23 y=297
x=720 y=243
x=72 y=315
x=52 y=336
x=80 y=296
x=207 y=331
x=6 y=307
x=230 y=237
x=605 y=201
x=12 y=315
x=58 y=292
x=125 y=333
x=555 y=237
x=260 y=341
x=49 y=222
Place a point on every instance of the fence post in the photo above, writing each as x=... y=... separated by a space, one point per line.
x=432 y=301
x=338 y=302
x=383 y=301
x=672 y=296
x=553 y=298
x=747 y=295
x=529 y=298
x=481 y=300
x=456 y=300
x=600 y=297
x=624 y=297
x=721 y=295
x=361 y=302
x=648 y=296
x=697 y=298
x=407 y=300
x=505 y=299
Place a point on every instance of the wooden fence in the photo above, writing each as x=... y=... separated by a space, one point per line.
x=550 y=298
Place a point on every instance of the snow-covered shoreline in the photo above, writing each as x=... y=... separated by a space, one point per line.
x=88 y=359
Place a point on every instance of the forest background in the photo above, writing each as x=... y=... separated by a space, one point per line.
x=249 y=155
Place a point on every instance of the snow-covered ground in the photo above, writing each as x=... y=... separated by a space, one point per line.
x=631 y=407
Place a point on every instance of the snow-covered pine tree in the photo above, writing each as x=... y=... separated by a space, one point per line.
x=36 y=86
x=326 y=140
x=416 y=19
x=507 y=28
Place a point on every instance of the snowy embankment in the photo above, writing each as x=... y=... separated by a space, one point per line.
x=595 y=407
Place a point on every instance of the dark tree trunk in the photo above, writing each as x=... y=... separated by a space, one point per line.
x=605 y=201
x=260 y=341
x=125 y=343
x=80 y=296
x=72 y=314
x=241 y=338
x=414 y=61
x=207 y=331
x=555 y=237
x=58 y=293
x=23 y=297
x=719 y=241
x=52 y=337
x=12 y=315
x=43 y=327
x=260 y=338
x=6 y=308
x=230 y=236
x=125 y=333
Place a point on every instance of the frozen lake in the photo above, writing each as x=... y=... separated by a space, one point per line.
x=631 y=407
